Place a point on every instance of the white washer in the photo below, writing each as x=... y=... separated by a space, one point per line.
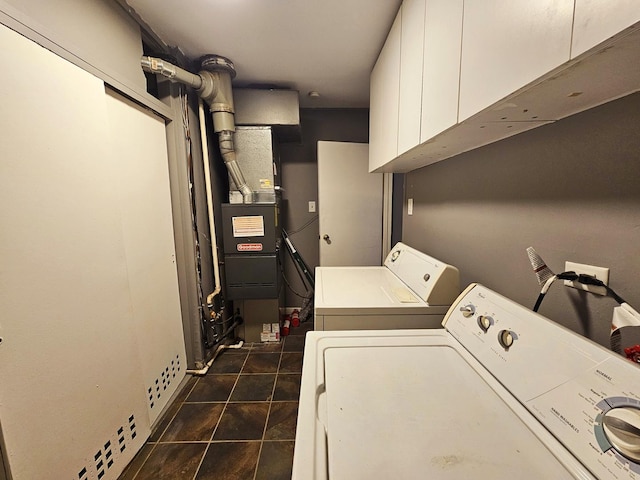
x=411 y=290
x=501 y=392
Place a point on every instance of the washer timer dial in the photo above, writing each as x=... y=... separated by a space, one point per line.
x=617 y=430
x=622 y=427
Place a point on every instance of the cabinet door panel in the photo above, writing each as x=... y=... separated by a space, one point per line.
x=507 y=44
x=598 y=20
x=385 y=89
x=411 y=60
x=441 y=75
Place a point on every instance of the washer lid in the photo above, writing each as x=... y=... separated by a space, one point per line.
x=383 y=421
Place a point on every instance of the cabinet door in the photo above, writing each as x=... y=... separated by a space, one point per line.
x=507 y=44
x=411 y=61
x=441 y=74
x=597 y=20
x=383 y=109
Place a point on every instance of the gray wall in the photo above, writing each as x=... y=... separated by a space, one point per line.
x=569 y=189
x=300 y=179
x=96 y=32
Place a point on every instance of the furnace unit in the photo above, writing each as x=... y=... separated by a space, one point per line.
x=252 y=233
x=252 y=257
x=252 y=238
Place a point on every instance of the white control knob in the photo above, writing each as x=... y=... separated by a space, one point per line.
x=622 y=427
x=468 y=310
x=505 y=338
x=484 y=322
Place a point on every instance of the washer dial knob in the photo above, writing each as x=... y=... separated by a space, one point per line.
x=622 y=427
x=506 y=338
x=468 y=310
x=484 y=322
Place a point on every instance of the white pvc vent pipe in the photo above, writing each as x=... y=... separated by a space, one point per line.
x=205 y=369
x=212 y=223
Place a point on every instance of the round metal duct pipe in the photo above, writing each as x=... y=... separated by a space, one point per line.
x=213 y=84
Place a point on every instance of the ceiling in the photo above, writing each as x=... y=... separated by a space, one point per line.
x=326 y=46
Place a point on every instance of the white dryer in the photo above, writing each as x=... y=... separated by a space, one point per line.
x=411 y=290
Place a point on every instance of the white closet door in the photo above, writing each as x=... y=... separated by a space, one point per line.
x=140 y=159
x=72 y=400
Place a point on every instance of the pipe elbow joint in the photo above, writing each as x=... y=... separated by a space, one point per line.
x=247 y=194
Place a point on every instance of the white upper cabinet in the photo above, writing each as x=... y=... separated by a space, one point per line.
x=455 y=75
x=411 y=60
x=507 y=44
x=598 y=20
x=384 y=94
x=441 y=71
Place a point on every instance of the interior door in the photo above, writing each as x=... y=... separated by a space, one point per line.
x=350 y=201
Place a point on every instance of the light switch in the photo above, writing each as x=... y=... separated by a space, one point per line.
x=312 y=207
x=410 y=206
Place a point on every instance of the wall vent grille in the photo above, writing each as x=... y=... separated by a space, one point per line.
x=162 y=382
x=106 y=456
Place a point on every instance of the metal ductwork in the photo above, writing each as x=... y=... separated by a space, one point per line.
x=213 y=84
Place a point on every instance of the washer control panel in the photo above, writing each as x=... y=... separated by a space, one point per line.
x=586 y=395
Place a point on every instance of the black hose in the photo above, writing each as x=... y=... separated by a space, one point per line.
x=538 y=302
x=238 y=321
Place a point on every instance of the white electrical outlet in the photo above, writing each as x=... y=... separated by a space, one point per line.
x=600 y=273
x=312 y=207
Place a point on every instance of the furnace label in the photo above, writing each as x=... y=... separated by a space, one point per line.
x=250 y=226
x=249 y=247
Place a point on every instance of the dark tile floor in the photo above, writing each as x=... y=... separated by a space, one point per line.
x=236 y=423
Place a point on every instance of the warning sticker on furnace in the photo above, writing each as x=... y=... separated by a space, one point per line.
x=250 y=226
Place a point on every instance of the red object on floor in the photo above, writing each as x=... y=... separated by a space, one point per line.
x=285 y=328
x=295 y=318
